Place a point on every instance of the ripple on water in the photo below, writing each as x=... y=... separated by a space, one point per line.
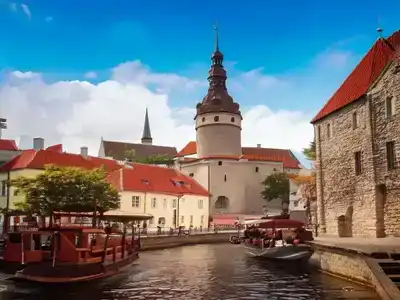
x=201 y=272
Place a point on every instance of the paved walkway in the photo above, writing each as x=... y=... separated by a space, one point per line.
x=365 y=245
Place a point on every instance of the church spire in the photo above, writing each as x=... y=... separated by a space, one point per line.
x=146 y=137
x=217 y=98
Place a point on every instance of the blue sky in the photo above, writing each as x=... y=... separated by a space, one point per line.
x=302 y=50
x=174 y=36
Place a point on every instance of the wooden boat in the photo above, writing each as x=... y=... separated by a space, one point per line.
x=277 y=239
x=69 y=253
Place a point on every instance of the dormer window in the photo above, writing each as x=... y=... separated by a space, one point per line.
x=178 y=183
x=191 y=174
x=232 y=119
x=216 y=118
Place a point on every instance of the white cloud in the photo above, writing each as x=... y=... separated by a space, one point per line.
x=26 y=10
x=78 y=113
x=90 y=75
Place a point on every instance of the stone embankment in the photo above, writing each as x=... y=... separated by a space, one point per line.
x=371 y=262
x=161 y=242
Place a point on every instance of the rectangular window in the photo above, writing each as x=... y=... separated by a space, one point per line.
x=153 y=202
x=389 y=107
x=151 y=221
x=191 y=220
x=357 y=162
x=390 y=155
x=3 y=188
x=328 y=130
x=165 y=203
x=200 y=204
x=201 y=220
x=135 y=201
x=355 y=120
x=174 y=203
x=182 y=219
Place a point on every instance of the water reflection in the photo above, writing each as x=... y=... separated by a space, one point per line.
x=200 y=272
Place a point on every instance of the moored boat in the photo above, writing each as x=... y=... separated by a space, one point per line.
x=277 y=239
x=69 y=253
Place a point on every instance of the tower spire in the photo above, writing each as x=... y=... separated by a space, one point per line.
x=216 y=38
x=146 y=137
x=217 y=98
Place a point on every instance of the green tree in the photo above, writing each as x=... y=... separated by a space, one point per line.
x=310 y=152
x=277 y=186
x=155 y=159
x=130 y=154
x=66 y=189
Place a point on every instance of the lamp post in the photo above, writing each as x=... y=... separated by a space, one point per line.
x=177 y=223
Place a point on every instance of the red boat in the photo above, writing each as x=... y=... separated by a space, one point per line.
x=67 y=253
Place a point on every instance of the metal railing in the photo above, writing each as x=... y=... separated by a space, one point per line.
x=150 y=232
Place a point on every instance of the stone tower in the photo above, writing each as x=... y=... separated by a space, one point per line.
x=146 y=137
x=218 y=118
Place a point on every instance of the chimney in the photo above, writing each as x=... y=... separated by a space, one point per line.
x=258 y=145
x=84 y=151
x=38 y=143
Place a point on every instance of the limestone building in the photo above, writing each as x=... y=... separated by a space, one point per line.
x=357 y=141
x=231 y=173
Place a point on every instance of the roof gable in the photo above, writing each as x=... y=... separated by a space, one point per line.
x=363 y=76
x=8 y=145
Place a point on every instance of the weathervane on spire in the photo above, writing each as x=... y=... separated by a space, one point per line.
x=379 y=29
x=216 y=37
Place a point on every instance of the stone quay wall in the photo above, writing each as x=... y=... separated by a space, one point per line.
x=354 y=266
x=163 y=242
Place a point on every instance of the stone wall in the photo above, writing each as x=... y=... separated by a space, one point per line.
x=353 y=266
x=387 y=129
x=343 y=195
x=164 y=242
x=367 y=204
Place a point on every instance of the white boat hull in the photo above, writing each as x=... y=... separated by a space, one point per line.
x=289 y=253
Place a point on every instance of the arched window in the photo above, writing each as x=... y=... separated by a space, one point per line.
x=222 y=202
x=161 y=221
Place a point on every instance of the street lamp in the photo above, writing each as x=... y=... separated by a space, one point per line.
x=177 y=210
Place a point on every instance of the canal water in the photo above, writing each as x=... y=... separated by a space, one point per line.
x=204 y=272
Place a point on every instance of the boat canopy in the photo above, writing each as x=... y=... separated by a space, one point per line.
x=275 y=223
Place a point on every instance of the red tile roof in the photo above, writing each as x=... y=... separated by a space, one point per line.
x=56 y=148
x=250 y=153
x=33 y=159
x=148 y=178
x=140 y=177
x=8 y=145
x=363 y=76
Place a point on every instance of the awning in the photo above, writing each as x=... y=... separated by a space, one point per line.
x=231 y=220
